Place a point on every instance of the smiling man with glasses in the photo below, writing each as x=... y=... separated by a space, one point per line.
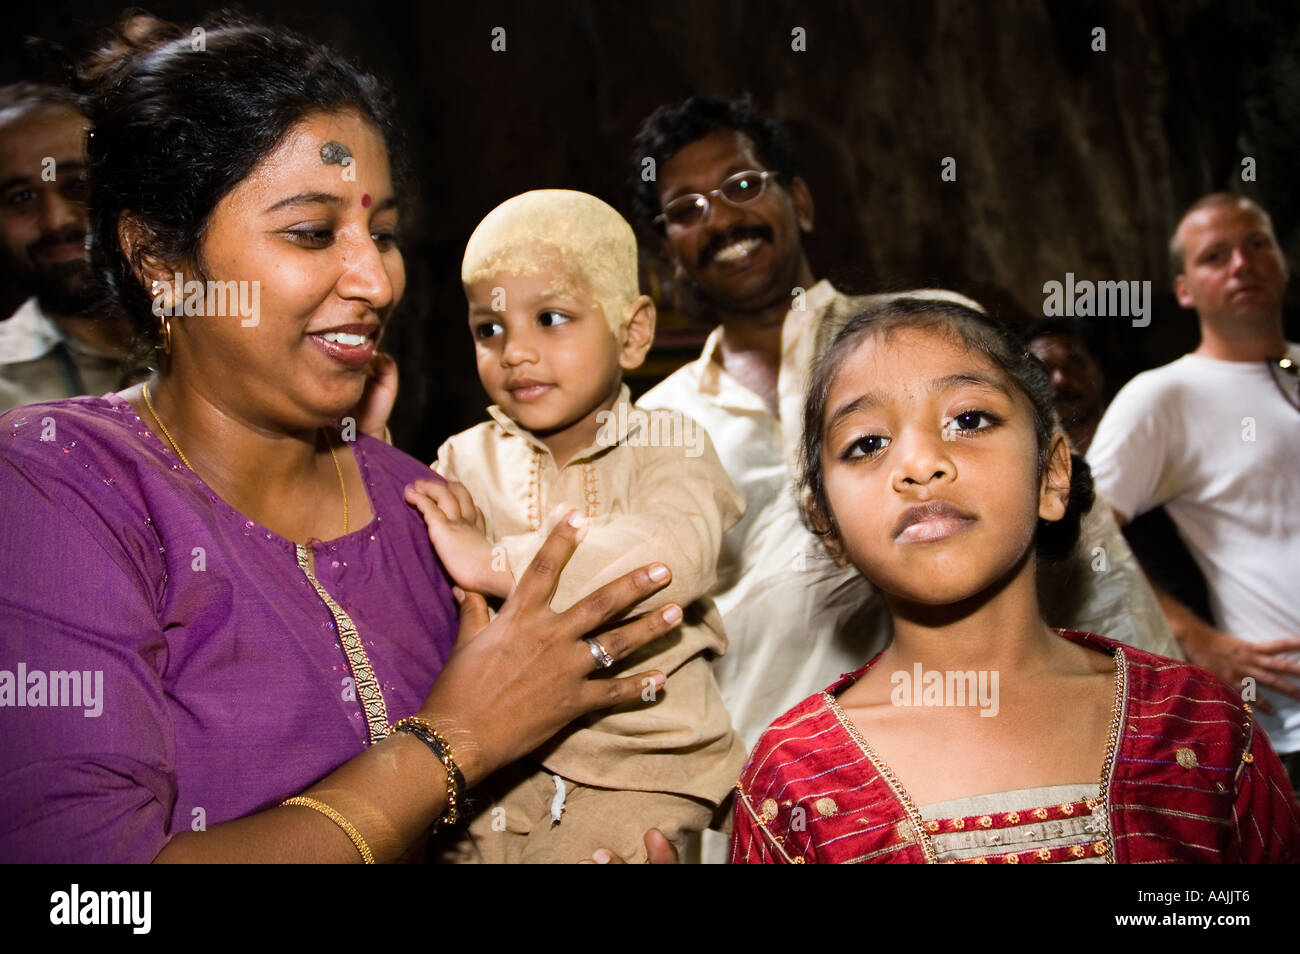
x=730 y=211
x=736 y=191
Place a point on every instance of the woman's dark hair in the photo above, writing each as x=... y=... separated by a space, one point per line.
x=1054 y=539
x=26 y=96
x=673 y=126
x=180 y=118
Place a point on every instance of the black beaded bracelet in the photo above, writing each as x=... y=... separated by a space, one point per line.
x=430 y=736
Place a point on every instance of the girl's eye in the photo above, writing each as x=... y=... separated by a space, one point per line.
x=312 y=237
x=970 y=421
x=550 y=318
x=486 y=330
x=385 y=240
x=868 y=446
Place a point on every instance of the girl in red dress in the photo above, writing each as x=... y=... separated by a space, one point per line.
x=934 y=462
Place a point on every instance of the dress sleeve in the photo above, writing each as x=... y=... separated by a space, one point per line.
x=679 y=509
x=1265 y=813
x=748 y=844
x=86 y=741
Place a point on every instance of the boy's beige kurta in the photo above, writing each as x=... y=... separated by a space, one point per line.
x=669 y=503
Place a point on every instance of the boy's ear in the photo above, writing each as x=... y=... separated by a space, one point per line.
x=1054 y=495
x=638 y=332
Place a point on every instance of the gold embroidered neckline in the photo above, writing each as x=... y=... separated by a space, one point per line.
x=914 y=814
x=363 y=674
x=590 y=490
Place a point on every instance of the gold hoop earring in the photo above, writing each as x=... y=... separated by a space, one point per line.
x=165 y=335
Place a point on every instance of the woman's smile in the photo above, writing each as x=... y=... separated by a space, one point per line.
x=328 y=269
x=350 y=345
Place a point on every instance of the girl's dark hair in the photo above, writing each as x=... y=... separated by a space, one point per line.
x=978 y=332
x=180 y=118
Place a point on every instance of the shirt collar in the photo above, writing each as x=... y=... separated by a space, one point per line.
x=797 y=320
x=709 y=366
x=614 y=429
x=27 y=334
x=816 y=300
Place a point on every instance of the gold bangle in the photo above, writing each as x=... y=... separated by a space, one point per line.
x=348 y=828
x=423 y=730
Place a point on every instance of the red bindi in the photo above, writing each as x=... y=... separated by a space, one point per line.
x=365 y=201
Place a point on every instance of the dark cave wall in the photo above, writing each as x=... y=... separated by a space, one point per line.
x=1068 y=160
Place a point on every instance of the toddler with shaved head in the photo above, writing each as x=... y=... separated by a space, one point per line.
x=556 y=316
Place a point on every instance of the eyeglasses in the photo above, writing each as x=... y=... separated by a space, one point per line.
x=737 y=191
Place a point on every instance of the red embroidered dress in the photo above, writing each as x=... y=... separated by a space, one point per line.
x=1189 y=777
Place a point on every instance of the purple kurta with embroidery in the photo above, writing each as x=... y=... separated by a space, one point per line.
x=224 y=686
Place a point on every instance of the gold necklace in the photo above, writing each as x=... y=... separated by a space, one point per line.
x=185 y=460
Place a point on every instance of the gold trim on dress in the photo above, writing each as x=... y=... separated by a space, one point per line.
x=363 y=675
x=1118 y=717
x=920 y=825
x=761 y=819
x=885 y=772
x=1247 y=756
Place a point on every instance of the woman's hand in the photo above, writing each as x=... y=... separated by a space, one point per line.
x=377 y=400
x=509 y=685
x=659 y=851
x=512 y=683
x=457 y=532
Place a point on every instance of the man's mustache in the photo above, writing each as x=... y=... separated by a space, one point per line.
x=50 y=240
x=739 y=233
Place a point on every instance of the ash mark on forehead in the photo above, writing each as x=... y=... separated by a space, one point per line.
x=333 y=153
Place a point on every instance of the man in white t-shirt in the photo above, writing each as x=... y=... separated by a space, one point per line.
x=1215 y=438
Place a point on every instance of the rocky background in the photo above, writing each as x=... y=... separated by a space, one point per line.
x=1068 y=158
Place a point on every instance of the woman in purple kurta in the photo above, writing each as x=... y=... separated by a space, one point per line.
x=186 y=680
x=225 y=688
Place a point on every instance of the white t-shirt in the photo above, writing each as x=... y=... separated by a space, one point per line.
x=1218 y=445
